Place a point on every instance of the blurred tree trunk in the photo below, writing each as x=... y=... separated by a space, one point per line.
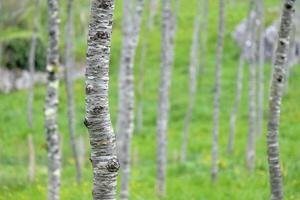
x=140 y=111
x=53 y=137
x=239 y=82
x=69 y=63
x=193 y=69
x=215 y=151
x=204 y=19
x=168 y=27
x=31 y=64
x=261 y=59
x=153 y=4
x=126 y=106
x=97 y=120
x=278 y=80
x=250 y=157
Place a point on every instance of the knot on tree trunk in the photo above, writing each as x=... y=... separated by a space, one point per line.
x=113 y=165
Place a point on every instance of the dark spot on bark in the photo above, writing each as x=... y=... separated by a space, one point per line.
x=113 y=165
x=281 y=42
x=279 y=78
x=98 y=109
x=288 y=6
x=86 y=122
x=110 y=22
x=51 y=33
x=91 y=160
x=101 y=35
x=104 y=4
x=89 y=89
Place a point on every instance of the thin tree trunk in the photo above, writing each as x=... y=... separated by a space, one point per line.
x=140 y=112
x=204 y=31
x=97 y=120
x=163 y=103
x=153 y=4
x=69 y=62
x=239 y=83
x=279 y=77
x=250 y=157
x=53 y=137
x=127 y=105
x=194 y=62
x=261 y=57
x=31 y=64
x=215 y=154
x=31 y=167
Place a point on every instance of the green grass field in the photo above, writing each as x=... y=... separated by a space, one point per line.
x=185 y=181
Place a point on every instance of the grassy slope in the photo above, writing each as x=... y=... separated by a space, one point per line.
x=185 y=181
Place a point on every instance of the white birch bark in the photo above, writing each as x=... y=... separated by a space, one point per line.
x=153 y=4
x=219 y=55
x=97 y=119
x=69 y=62
x=193 y=69
x=204 y=31
x=51 y=105
x=31 y=64
x=239 y=82
x=278 y=80
x=250 y=157
x=261 y=59
x=126 y=115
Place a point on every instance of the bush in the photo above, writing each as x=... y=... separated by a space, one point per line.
x=16 y=53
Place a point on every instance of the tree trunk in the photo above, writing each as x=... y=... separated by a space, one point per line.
x=153 y=4
x=250 y=158
x=31 y=65
x=140 y=111
x=53 y=137
x=31 y=166
x=126 y=106
x=193 y=69
x=203 y=33
x=97 y=120
x=279 y=77
x=214 y=167
x=239 y=83
x=261 y=59
x=69 y=62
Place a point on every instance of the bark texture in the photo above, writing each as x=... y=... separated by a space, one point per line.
x=278 y=80
x=215 y=148
x=52 y=135
x=193 y=69
x=102 y=138
x=69 y=62
x=126 y=103
x=31 y=65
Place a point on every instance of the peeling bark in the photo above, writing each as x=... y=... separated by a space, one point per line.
x=69 y=62
x=51 y=105
x=97 y=120
x=193 y=69
x=278 y=80
x=219 y=55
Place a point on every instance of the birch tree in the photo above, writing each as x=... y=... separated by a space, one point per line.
x=204 y=31
x=69 y=62
x=250 y=157
x=52 y=135
x=219 y=55
x=97 y=119
x=126 y=92
x=31 y=65
x=239 y=82
x=153 y=4
x=277 y=84
x=168 y=27
x=261 y=59
x=193 y=68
